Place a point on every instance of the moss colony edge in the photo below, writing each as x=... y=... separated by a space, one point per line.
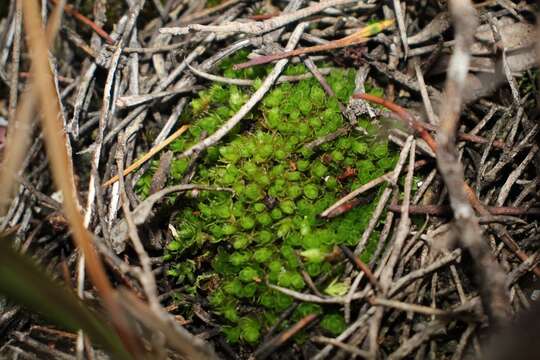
x=227 y=246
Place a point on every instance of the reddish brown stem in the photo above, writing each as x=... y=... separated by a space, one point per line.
x=69 y=9
x=361 y=266
x=421 y=127
x=443 y=210
x=403 y=115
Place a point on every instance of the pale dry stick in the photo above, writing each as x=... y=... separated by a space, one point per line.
x=403 y=226
x=317 y=299
x=127 y=101
x=248 y=82
x=349 y=296
x=103 y=123
x=62 y=172
x=109 y=96
x=250 y=104
x=353 y=194
x=91 y=196
x=258 y=27
x=147 y=277
x=384 y=197
x=504 y=60
x=463 y=341
x=420 y=273
x=133 y=89
x=514 y=176
x=432 y=118
x=353 y=350
x=80 y=98
x=478 y=127
x=419 y=309
x=491 y=277
x=419 y=338
x=401 y=26
x=153 y=151
x=508 y=156
x=359 y=82
x=86 y=86
x=373 y=332
x=385 y=232
x=424 y=187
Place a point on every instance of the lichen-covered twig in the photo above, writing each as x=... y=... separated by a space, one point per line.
x=259 y=27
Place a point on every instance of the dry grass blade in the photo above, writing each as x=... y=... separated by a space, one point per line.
x=61 y=170
x=19 y=134
x=148 y=155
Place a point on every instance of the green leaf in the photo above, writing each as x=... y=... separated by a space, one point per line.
x=24 y=282
x=336 y=289
x=314 y=255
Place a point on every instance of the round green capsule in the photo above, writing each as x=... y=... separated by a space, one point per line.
x=247 y=222
x=311 y=191
x=293 y=176
x=259 y=207
x=276 y=214
x=319 y=170
x=294 y=191
x=264 y=237
x=229 y=229
x=264 y=219
x=241 y=241
x=287 y=206
x=302 y=165
x=253 y=192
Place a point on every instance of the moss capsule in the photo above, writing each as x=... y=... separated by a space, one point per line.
x=253 y=192
x=264 y=219
x=276 y=214
x=311 y=191
x=247 y=222
x=287 y=206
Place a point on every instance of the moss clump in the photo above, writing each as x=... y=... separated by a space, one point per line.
x=269 y=229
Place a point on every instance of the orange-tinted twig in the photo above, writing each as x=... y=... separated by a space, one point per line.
x=403 y=115
x=135 y=165
x=358 y=37
x=442 y=210
x=69 y=9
